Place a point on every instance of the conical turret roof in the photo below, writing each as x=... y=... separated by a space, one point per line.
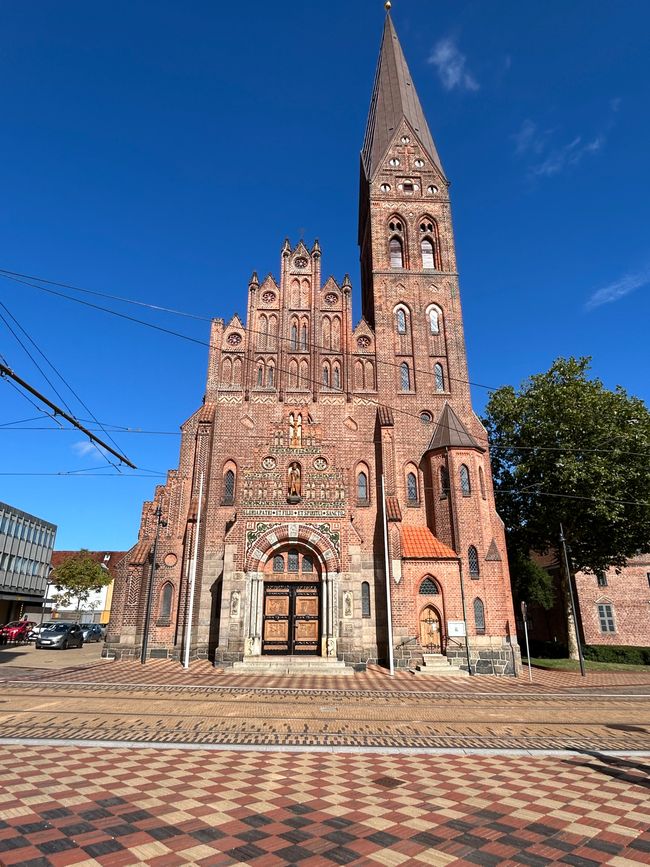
x=450 y=432
x=394 y=98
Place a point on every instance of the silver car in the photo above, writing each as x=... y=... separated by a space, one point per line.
x=60 y=636
x=92 y=632
x=39 y=627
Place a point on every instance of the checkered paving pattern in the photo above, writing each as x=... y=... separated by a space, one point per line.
x=163 y=672
x=67 y=806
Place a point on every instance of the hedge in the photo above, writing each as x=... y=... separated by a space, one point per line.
x=617 y=653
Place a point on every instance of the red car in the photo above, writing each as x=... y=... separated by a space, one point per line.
x=17 y=630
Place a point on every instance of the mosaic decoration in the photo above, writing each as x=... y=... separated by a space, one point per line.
x=320 y=464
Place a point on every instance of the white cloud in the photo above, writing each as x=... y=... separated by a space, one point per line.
x=83 y=448
x=451 y=66
x=619 y=289
x=569 y=154
x=530 y=139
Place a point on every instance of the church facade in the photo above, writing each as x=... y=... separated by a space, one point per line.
x=326 y=453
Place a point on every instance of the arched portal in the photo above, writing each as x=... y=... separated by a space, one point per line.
x=430 y=630
x=291 y=613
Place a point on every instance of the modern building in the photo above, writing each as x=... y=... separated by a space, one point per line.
x=313 y=430
x=26 y=544
x=98 y=607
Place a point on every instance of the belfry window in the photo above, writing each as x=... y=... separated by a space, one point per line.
x=396 y=253
x=294 y=337
x=326 y=376
x=404 y=377
x=439 y=377
x=434 y=320
x=336 y=377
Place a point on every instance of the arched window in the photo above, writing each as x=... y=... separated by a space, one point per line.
x=260 y=374
x=307 y=563
x=336 y=376
x=326 y=375
x=273 y=330
x=472 y=557
x=404 y=377
x=444 y=482
x=396 y=253
x=236 y=371
x=400 y=321
x=370 y=376
x=327 y=333
x=465 y=486
x=481 y=481
x=434 y=320
x=226 y=371
x=362 y=487
x=428 y=587
x=293 y=374
x=411 y=488
x=336 y=333
x=270 y=376
x=165 y=605
x=292 y=561
x=303 y=337
x=294 y=337
x=428 y=259
x=365 y=599
x=439 y=377
x=229 y=488
x=304 y=374
x=278 y=563
x=479 y=616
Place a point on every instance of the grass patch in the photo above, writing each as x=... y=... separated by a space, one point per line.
x=574 y=665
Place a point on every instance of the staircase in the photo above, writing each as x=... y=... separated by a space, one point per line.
x=439 y=666
x=303 y=665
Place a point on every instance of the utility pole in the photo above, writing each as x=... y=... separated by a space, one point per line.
x=147 y=613
x=572 y=600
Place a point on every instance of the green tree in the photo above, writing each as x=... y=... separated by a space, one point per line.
x=77 y=577
x=565 y=449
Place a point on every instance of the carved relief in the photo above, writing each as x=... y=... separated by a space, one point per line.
x=235 y=604
x=347 y=603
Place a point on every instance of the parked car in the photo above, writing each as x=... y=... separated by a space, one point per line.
x=61 y=636
x=17 y=630
x=92 y=632
x=37 y=628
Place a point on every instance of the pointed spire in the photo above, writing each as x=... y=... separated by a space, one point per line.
x=450 y=432
x=394 y=98
x=254 y=281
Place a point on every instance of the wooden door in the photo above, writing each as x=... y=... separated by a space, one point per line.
x=430 y=630
x=291 y=618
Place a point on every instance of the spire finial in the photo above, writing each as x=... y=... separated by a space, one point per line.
x=387 y=5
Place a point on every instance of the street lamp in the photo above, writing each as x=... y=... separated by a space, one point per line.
x=147 y=614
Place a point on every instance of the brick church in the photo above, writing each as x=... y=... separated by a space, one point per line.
x=326 y=453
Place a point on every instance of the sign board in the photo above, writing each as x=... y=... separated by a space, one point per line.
x=456 y=628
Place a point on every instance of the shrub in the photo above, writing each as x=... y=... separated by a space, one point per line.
x=617 y=653
x=546 y=649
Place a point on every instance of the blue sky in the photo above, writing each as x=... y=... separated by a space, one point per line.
x=163 y=150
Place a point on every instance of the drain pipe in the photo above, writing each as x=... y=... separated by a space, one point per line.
x=389 y=604
x=195 y=554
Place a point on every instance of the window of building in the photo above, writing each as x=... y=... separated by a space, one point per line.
x=396 y=253
x=606 y=617
x=444 y=482
x=326 y=375
x=303 y=337
x=479 y=616
x=165 y=608
x=292 y=561
x=465 y=486
x=400 y=321
x=426 y=417
x=429 y=587
x=294 y=337
x=481 y=481
x=365 y=599
x=278 y=563
x=260 y=375
x=601 y=579
x=336 y=375
x=229 y=488
x=270 y=376
x=472 y=557
x=428 y=259
x=404 y=377
x=647 y=574
x=411 y=488
x=439 y=377
x=434 y=320
x=362 y=487
x=307 y=563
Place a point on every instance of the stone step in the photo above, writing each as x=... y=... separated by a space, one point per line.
x=291 y=665
x=438 y=665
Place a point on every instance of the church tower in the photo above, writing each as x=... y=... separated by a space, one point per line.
x=269 y=536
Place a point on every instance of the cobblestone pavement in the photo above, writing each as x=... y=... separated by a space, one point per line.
x=62 y=806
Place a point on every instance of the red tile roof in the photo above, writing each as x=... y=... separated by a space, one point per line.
x=419 y=543
x=393 y=511
x=110 y=559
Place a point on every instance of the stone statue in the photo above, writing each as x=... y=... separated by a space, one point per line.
x=295 y=430
x=294 y=479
